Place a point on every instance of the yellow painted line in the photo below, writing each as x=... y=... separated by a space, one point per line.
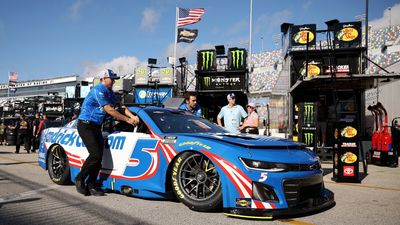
x=249 y=217
x=295 y=222
x=364 y=186
x=19 y=161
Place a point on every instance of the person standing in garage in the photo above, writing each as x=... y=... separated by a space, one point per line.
x=99 y=102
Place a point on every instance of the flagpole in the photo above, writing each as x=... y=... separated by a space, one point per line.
x=8 y=90
x=175 y=41
x=251 y=23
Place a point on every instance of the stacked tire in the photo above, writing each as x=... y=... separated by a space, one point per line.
x=11 y=136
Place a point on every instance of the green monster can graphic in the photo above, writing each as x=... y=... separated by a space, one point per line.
x=207 y=81
x=206 y=59
x=238 y=58
x=308 y=113
x=308 y=138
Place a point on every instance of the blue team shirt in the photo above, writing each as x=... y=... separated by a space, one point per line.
x=92 y=108
x=232 y=117
x=196 y=111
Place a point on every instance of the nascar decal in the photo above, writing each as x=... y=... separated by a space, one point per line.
x=239 y=179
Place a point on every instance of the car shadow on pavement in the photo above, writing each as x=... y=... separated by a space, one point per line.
x=18 y=201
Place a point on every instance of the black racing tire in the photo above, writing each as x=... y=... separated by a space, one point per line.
x=196 y=183
x=58 y=165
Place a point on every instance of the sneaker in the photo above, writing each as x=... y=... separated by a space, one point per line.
x=80 y=186
x=96 y=191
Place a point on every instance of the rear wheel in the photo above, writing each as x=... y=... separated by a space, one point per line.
x=58 y=166
x=196 y=183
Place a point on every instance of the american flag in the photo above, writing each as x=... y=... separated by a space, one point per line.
x=189 y=16
x=13 y=76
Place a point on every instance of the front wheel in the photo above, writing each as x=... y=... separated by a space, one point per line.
x=58 y=166
x=196 y=183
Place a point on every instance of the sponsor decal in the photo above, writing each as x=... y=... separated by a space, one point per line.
x=348 y=132
x=243 y=202
x=301 y=36
x=207 y=81
x=142 y=94
x=198 y=143
x=336 y=134
x=336 y=159
x=308 y=112
x=348 y=158
x=377 y=154
x=348 y=171
x=313 y=69
x=238 y=58
x=207 y=59
x=64 y=137
x=222 y=82
x=309 y=138
x=348 y=145
x=347 y=33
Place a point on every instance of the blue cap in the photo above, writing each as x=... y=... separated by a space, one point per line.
x=231 y=96
x=108 y=73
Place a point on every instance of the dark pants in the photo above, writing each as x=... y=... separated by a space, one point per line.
x=93 y=140
x=22 y=139
x=35 y=143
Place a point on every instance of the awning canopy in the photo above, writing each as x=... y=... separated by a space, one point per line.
x=355 y=82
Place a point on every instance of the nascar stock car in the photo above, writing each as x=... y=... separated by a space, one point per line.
x=173 y=154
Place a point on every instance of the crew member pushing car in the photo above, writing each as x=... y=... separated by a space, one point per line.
x=99 y=102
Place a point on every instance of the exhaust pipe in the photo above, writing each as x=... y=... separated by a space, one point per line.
x=126 y=190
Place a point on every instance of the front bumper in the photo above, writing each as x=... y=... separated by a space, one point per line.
x=312 y=205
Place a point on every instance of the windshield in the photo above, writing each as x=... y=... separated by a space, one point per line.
x=174 y=121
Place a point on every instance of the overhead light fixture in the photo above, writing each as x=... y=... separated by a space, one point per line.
x=220 y=49
x=152 y=61
x=332 y=23
x=182 y=60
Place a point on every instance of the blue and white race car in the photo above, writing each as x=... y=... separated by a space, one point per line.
x=175 y=154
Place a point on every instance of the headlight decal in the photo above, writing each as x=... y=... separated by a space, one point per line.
x=240 y=180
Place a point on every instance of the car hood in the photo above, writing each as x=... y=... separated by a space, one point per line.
x=250 y=141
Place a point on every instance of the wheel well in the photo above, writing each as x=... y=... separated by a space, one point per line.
x=47 y=154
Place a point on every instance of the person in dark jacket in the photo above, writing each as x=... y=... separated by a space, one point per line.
x=23 y=133
x=35 y=137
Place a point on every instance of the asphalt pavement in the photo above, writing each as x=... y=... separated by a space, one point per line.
x=28 y=196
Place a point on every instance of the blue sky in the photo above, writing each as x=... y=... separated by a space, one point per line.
x=49 y=38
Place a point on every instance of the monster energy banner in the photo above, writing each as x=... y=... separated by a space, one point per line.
x=308 y=138
x=206 y=60
x=308 y=113
x=227 y=82
x=237 y=58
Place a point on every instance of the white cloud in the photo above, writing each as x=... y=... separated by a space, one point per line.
x=238 y=27
x=75 y=9
x=307 y=5
x=121 y=65
x=267 y=23
x=150 y=19
x=389 y=16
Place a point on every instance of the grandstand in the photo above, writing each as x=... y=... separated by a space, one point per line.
x=39 y=87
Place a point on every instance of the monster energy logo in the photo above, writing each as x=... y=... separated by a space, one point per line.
x=208 y=59
x=237 y=58
x=308 y=138
x=309 y=113
x=207 y=81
